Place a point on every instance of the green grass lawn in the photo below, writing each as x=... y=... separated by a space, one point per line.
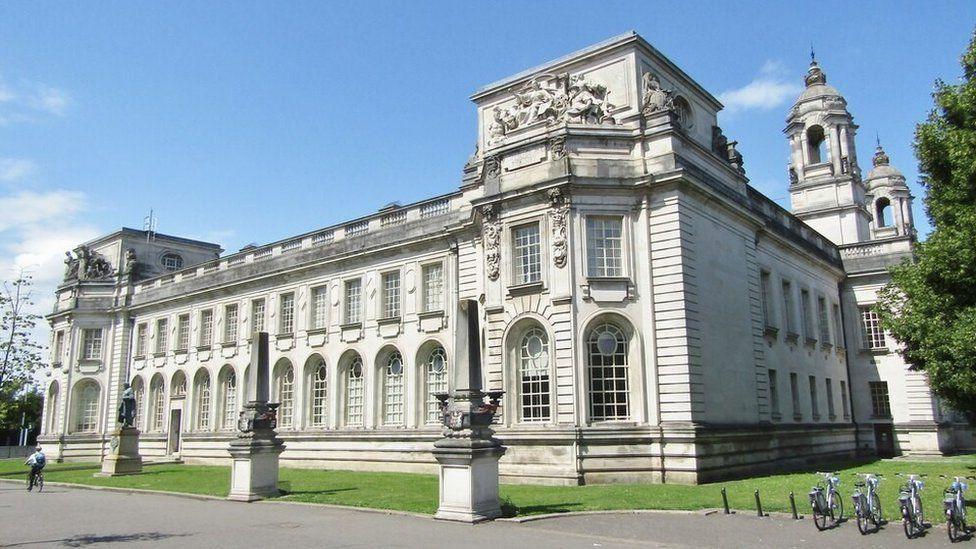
x=418 y=493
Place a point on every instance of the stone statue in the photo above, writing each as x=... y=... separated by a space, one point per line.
x=70 y=266
x=131 y=265
x=91 y=265
x=127 y=407
x=656 y=98
x=589 y=102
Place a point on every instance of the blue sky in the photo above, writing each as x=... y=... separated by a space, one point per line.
x=251 y=121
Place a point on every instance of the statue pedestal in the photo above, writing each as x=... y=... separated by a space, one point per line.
x=123 y=457
x=468 y=458
x=254 y=472
x=469 y=483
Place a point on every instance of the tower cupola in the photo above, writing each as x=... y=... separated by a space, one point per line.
x=826 y=189
x=889 y=199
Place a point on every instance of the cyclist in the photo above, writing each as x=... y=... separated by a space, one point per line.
x=37 y=461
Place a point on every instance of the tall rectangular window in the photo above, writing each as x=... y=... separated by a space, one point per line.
x=286 y=313
x=814 y=405
x=823 y=321
x=795 y=394
x=838 y=326
x=231 y=322
x=433 y=287
x=830 y=399
x=142 y=339
x=391 y=294
x=353 y=312
x=880 y=405
x=162 y=335
x=766 y=291
x=773 y=394
x=843 y=400
x=604 y=246
x=206 y=328
x=526 y=254
x=58 y=346
x=788 y=316
x=320 y=307
x=807 y=315
x=183 y=332
x=872 y=335
x=257 y=315
x=91 y=344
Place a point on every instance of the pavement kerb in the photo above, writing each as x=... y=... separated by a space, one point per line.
x=515 y=520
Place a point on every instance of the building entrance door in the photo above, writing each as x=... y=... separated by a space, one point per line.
x=884 y=439
x=175 y=425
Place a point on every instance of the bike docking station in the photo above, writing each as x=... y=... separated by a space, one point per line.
x=468 y=454
x=255 y=451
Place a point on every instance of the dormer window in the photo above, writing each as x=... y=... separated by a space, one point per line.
x=171 y=261
x=816 y=145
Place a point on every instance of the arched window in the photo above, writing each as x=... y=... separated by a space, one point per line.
x=883 y=212
x=816 y=144
x=228 y=398
x=318 y=391
x=86 y=413
x=157 y=404
x=533 y=376
x=201 y=392
x=139 y=390
x=355 y=396
x=285 y=393
x=608 y=373
x=178 y=387
x=393 y=389
x=52 y=407
x=435 y=377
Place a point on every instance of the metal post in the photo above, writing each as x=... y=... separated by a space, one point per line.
x=725 y=501
x=759 y=511
x=793 y=506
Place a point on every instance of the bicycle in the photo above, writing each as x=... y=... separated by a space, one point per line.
x=826 y=501
x=910 y=499
x=955 y=508
x=867 y=504
x=35 y=480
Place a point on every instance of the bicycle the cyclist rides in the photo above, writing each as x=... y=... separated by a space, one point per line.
x=36 y=461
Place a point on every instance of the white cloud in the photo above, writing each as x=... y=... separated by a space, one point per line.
x=25 y=100
x=772 y=87
x=15 y=169
x=26 y=208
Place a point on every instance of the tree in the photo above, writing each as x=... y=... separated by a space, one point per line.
x=930 y=304
x=20 y=355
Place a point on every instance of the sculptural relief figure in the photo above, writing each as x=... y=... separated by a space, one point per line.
x=127 y=407
x=131 y=265
x=70 y=266
x=91 y=265
x=656 y=98
x=558 y=223
x=589 y=102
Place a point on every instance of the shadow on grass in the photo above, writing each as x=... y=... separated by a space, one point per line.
x=285 y=492
x=509 y=509
x=85 y=540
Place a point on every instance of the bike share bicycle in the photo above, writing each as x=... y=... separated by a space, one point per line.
x=826 y=501
x=955 y=508
x=910 y=499
x=867 y=504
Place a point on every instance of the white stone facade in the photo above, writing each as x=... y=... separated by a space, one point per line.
x=631 y=290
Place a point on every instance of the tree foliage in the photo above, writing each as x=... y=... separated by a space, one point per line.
x=930 y=305
x=20 y=355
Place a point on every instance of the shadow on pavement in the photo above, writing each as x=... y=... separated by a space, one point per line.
x=510 y=510
x=85 y=540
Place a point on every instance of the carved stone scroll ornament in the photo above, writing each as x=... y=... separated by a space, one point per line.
x=655 y=98
x=491 y=238
x=557 y=217
x=557 y=147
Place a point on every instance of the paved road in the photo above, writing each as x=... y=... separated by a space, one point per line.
x=69 y=517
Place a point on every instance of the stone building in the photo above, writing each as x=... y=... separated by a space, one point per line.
x=650 y=315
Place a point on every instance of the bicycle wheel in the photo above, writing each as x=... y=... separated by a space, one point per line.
x=835 y=506
x=819 y=519
x=908 y=523
x=952 y=527
x=919 y=514
x=876 y=515
x=40 y=483
x=862 y=516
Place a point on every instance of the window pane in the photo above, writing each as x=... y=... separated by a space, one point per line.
x=231 y=322
x=604 y=246
x=608 y=374
x=286 y=396
x=533 y=365
x=526 y=254
x=257 y=315
x=433 y=287
x=436 y=370
x=872 y=335
x=353 y=294
x=162 y=335
x=354 y=393
x=393 y=390
x=391 y=294
x=287 y=310
x=206 y=328
x=319 y=396
x=320 y=306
